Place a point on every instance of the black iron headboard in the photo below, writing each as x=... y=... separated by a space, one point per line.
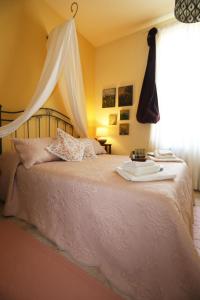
x=43 y=112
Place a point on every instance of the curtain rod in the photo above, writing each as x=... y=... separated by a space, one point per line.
x=157 y=22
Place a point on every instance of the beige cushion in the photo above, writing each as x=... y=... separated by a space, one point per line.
x=98 y=148
x=32 y=151
x=89 y=151
x=67 y=147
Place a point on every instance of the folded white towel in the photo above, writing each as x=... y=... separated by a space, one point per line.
x=138 y=164
x=138 y=170
x=165 y=156
x=163 y=175
x=163 y=152
x=166 y=159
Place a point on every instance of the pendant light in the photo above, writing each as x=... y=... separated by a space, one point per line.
x=187 y=11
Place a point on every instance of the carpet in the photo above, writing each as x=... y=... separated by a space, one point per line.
x=30 y=270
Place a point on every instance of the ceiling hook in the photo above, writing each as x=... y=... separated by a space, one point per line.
x=74 y=7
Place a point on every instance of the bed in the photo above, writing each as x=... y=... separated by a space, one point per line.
x=137 y=234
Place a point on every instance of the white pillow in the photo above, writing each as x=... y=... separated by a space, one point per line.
x=89 y=151
x=67 y=147
x=98 y=148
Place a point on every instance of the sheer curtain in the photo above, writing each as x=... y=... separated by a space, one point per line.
x=72 y=88
x=178 y=85
x=62 y=57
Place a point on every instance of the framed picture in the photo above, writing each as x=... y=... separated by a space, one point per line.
x=112 y=119
x=124 y=114
x=125 y=95
x=109 y=96
x=124 y=129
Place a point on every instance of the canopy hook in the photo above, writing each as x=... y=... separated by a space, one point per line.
x=74 y=7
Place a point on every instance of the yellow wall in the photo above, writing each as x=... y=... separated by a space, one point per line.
x=24 y=25
x=87 y=53
x=120 y=63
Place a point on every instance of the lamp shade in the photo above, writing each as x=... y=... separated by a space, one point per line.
x=101 y=131
x=187 y=11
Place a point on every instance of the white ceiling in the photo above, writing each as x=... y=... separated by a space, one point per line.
x=102 y=21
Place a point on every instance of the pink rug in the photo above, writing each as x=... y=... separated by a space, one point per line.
x=30 y=270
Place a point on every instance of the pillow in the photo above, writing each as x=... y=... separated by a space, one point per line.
x=32 y=151
x=89 y=151
x=98 y=148
x=67 y=147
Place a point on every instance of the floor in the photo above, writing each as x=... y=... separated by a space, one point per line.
x=21 y=253
x=93 y=270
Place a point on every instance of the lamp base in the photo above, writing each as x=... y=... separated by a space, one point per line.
x=102 y=141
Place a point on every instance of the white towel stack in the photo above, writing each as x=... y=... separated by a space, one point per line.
x=164 y=155
x=141 y=168
x=143 y=171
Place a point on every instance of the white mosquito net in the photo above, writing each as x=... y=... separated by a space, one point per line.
x=62 y=62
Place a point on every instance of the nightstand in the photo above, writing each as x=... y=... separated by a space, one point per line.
x=108 y=148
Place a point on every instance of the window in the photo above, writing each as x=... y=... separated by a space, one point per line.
x=178 y=85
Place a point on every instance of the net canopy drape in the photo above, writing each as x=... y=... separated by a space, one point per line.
x=62 y=62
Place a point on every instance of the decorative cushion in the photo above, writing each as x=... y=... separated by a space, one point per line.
x=98 y=148
x=32 y=151
x=67 y=147
x=89 y=151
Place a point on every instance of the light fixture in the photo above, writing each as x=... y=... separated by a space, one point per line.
x=187 y=11
x=101 y=133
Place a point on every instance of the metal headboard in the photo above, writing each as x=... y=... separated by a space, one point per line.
x=44 y=112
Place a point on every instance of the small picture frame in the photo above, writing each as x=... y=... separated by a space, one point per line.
x=124 y=114
x=112 y=119
x=108 y=97
x=124 y=129
x=125 y=95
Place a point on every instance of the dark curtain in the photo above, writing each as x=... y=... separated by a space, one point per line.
x=148 y=110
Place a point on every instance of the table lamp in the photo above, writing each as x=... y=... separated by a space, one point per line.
x=101 y=133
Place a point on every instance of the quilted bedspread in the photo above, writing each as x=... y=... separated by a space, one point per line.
x=137 y=233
